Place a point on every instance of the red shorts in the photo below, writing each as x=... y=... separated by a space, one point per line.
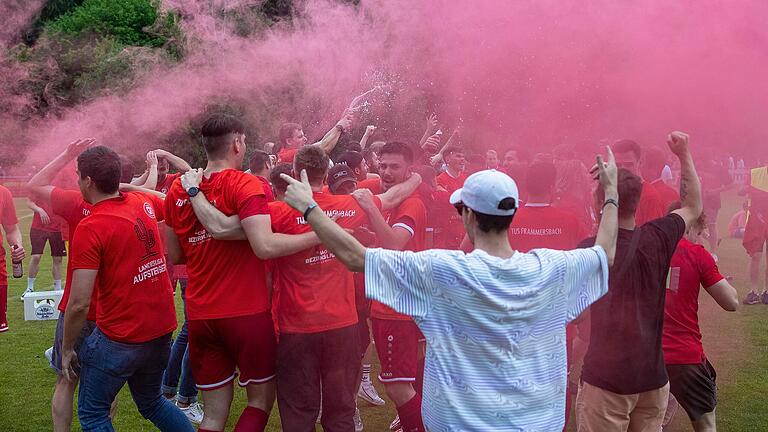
x=218 y=346
x=397 y=345
x=755 y=234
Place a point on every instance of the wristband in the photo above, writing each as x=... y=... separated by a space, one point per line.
x=611 y=201
x=309 y=209
x=340 y=128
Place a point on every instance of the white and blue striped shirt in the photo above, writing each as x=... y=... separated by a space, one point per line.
x=495 y=329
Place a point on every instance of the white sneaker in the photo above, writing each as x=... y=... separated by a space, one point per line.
x=27 y=291
x=194 y=412
x=358 y=421
x=395 y=425
x=368 y=393
x=49 y=354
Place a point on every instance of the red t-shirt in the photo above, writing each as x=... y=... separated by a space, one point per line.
x=666 y=193
x=225 y=278
x=317 y=292
x=7 y=218
x=268 y=193
x=165 y=185
x=72 y=208
x=545 y=227
x=121 y=240
x=372 y=184
x=411 y=215
x=691 y=267
x=286 y=155
x=650 y=207
x=449 y=227
x=37 y=222
x=450 y=183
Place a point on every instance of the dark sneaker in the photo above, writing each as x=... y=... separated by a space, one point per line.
x=751 y=299
x=764 y=298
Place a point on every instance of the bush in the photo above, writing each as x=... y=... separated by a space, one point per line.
x=123 y=20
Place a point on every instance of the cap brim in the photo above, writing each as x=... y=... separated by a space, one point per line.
x=455 y=196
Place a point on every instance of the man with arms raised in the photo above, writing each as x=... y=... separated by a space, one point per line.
x=290 y=138
x=494 y=319
x=230 y=325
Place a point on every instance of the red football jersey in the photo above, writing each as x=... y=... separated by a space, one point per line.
x=316 y=291
x=666 y=193
x=450 y=183
x=72 y=208
x=691 y=267
x=268 y=193
x=410 y=215
x=372 y=184
x=650 y=207
x=121 y=240
x=286 y=155
x=7 y=218
x=165 y=185
x=543 y=226
x=225 y=278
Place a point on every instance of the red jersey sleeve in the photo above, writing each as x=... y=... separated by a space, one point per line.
x=709 y=274
x=87 y=249
x=159 y=205
x=65 y=203
x=249 y=197
x=8 y=208
x=411 y=214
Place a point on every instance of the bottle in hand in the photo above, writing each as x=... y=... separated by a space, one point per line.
x=18 y=267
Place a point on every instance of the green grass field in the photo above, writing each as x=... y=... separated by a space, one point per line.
x=735 y=343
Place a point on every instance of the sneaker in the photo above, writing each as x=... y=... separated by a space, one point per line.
x=3 y=327
x=194 y=412
x=751 y=299
x=358 y=421
x=49 y=354
x=764 y=298
x=27 y=291
x=368 y=393
x=395 y=425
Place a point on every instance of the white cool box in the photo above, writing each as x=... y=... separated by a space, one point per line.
x=42 y=305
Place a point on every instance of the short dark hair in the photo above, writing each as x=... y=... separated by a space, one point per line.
x=258 y=161
x=216 y=131
x=626 y=146
x=351 y=159
x=102 y=165
x=278 y=183
x=126 y=169
x=540 y=178
x=492 y=223
x=312 y=159
x=286 y=131
x=630 y=189
x=397 y=147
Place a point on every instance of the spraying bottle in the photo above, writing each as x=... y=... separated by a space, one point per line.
x=18 y=267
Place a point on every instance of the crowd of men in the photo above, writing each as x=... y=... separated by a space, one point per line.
x=476 y=291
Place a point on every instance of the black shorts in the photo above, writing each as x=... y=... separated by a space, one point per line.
x=38 y=238
x=694 y=387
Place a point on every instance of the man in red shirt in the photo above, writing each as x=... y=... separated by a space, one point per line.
x=653 y=164
x=10 y=224
x=290 y=138
x=396 y=336
x=628 y=156
x=691 y=376
x=228 y=307
x=156 y=176
x=448 y=181
x=46 y=228
x=260 y=166
x=118 y=245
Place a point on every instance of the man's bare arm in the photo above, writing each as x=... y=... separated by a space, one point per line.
x=690 y=185
x=40 y=183
x=175 y=161
x=394 y=238
x=173 y=247
x=77 y=311
x=398 y=193
x=268 y=245
x=608 y=231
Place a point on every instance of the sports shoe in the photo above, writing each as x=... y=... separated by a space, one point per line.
x=49 y=354
x=751 y=299
x=395 y=425
x=26 y=291
x=368 y=393
x=764 y=298
x=3 y=327
x=194 y=412
x=358 y=421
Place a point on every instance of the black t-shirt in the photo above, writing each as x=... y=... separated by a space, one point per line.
x=625 y=354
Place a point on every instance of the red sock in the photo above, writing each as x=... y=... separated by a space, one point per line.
x=3 y=303
x=252 y=419
x=419 y=384
x=410 y=415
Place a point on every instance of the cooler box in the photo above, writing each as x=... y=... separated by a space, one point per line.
x=42 y=305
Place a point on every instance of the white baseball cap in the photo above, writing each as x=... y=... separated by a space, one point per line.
x=484 y=191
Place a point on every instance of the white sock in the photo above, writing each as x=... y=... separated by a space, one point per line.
x=30 y=283
x=366 y=372
x=57 y=284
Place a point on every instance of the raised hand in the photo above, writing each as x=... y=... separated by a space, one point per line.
x=299 y=193
x=370 y=129
x=678 y=142
x=364 y=197
x=432 y=121
x=78 y=146
x=192 y=178
x=151 y=158
x=606 y=171
x=432 y=144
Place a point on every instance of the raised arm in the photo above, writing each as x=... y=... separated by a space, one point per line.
x=142 y=179
x=342 y=244
x=369 y=130
x=608 y=231
x=180 y=164
x=128 y=187
x=151 y=182
x=398 y=193
x=690 y=186
x=328 y=142
x=431 y=128
x=219 y=225
x=40 y=183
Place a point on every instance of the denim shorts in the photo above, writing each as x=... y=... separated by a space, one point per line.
x=56 y=355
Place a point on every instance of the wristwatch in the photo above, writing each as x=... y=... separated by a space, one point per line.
x=193 y=191
x=309 y=209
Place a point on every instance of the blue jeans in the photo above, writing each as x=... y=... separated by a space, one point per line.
x=106 y=366
x=178 y=364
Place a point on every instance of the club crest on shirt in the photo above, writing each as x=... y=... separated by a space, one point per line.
x=149 y=210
